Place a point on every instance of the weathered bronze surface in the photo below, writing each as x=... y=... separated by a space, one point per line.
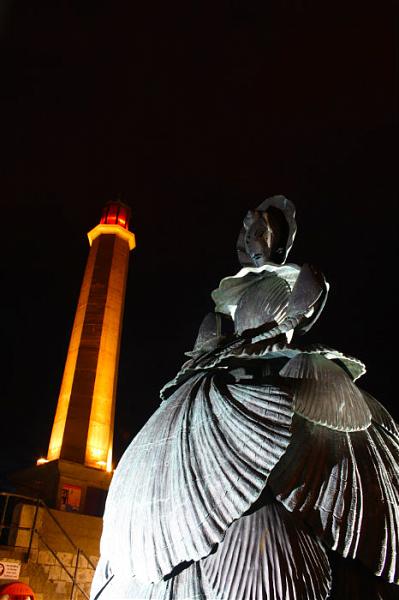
x=265 y=470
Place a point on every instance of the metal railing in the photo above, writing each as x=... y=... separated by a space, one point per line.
x=9 y=503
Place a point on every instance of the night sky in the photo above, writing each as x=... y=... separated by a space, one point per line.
x=194 y=112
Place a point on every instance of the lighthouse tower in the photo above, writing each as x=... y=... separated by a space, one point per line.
x=84 y=420
x=77 y=471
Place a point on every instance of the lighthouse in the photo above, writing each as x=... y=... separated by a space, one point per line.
x=84 y=421
x=77 y=471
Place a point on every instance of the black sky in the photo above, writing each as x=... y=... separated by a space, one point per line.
x=196 y=112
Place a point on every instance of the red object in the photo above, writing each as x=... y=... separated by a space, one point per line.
x=116 y=213
x=17 y=590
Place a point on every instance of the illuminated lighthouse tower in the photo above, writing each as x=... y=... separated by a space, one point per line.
x=77 y=471
x=84 y=421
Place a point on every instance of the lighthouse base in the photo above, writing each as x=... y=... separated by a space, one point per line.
x=65 y=485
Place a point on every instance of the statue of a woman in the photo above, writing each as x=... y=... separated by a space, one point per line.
x=265 y=470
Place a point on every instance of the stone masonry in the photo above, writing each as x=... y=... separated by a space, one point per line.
x=52 y=558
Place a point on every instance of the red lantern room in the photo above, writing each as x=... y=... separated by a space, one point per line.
x=116 y=213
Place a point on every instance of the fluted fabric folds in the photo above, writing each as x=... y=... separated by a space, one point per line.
x=231 y=289
x=325 y=394
x=198 y=464
x=267 y=554
x=264 y=302
x=184 y=586
x=346 y=487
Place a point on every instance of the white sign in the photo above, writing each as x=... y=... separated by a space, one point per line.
x=9 y=570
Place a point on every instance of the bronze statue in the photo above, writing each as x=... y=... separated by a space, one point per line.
x=266 y=473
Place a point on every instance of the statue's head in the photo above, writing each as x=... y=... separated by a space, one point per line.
x=268 y=233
